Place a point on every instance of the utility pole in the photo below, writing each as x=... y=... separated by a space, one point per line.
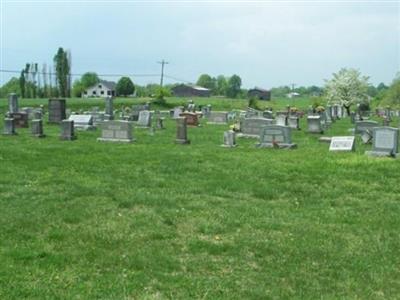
x=163 y=62
x=293 y=85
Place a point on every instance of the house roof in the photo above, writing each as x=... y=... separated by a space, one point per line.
x=259 y=89
x=108 y=84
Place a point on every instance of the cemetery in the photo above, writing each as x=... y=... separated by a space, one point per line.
x=199 y=149
x=174 y=195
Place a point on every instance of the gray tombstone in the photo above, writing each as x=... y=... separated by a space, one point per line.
x=37 y=115
x=218 y=117
x=181 y=131
x=268 y=114
x=57 y=110
x=82 y=122
x=314 y=124
x=12 y=103
x=37 y=128
x=342 y=143
x=9 y=126
x=116 y=131
x=177 y=112
x=365 y=129
x=251 y=127
x=281 y=119
x=67 y=130
x=294 y=122
x=385 y=142
x=229 y=139
x=275 y=136
x=144 y=119
x=21 y=119
x=109 y=111
x=160 y=122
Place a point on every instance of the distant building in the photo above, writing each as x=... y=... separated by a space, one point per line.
x=293 y=95
x=259 y=93
x=101 y=89
x=184 y=90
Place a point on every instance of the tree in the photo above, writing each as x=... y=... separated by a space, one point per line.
x=392 y=95
x=221 y=85
x=125 y=86
x=12 y=86
x=233 y=88
x=347 y=87
x=207 y=81
x=87 y=80
x=22 y=83
x=62 y=67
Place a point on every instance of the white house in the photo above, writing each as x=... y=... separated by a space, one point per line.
x=101 y=89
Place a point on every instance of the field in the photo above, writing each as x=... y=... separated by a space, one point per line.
x=156 y=220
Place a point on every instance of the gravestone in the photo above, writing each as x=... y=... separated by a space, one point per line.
x=365 y=129
x=229 y=139
x=205 y=111
x=36 y=115
x=116 y=131
x=329 y=111
x=293 y=122
x=12 y=103
x=385 y=142
x=251 y=127
x=218 y=117
x=177 y=112
x=181 y=131
x=21 y=119
x=144 y=119
x=56 y=110
x=159 y=122
x=276 y=136
x=191 y=118
x=281 y=119
x=109 y=111
x=342 y=143
x=268 y=114
x=67 y=130
x=352 y=117
x=9 y=126
x=82 y=122
x=191 y=107
x=97 y=117
x=37 y=128
x=314 y=124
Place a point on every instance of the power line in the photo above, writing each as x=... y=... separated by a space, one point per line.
x=177 y=79
x=77 y=74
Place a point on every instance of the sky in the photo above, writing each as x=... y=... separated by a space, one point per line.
x=267 y=43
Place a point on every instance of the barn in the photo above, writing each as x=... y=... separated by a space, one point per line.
x=259 y=93
x=184 y=90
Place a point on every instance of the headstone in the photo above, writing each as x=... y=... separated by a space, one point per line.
x=314 y=124
x=82 y=122
x=385 y=142
x=56 y=110
x=109 y=111
x=365 y=129
x=218 y=117
x=177 y=112
x=12 y=103
x=352 y=117
x=229 y=139
x=21 y=119
x=116 y=131
x=329 y=111
x=342 y=143
x=191 y=107
x=281 y=119
x=67 y=130
x=205 y=111
x=37 y=115
x=268 y=114
x=144 y=119
x=181 y=131
x=97 y=117
x=37 y=128
x=275 y=136
x=9 y=126
x=252 y=127
x=191 y=118
x=293 y=122
x=159 y=121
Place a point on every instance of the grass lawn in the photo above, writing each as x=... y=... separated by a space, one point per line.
x=155 y=220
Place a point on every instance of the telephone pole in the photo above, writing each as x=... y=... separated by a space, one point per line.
x=163 y=62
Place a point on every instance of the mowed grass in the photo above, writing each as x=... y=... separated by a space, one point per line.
x=155 y=220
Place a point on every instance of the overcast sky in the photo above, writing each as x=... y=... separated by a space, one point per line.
x=267 y=44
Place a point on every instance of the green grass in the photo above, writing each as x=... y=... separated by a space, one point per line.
x=155 y=220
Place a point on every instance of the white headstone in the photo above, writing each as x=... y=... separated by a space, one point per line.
x=342 y=143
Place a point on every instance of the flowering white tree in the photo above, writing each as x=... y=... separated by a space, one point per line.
x=347 y=87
